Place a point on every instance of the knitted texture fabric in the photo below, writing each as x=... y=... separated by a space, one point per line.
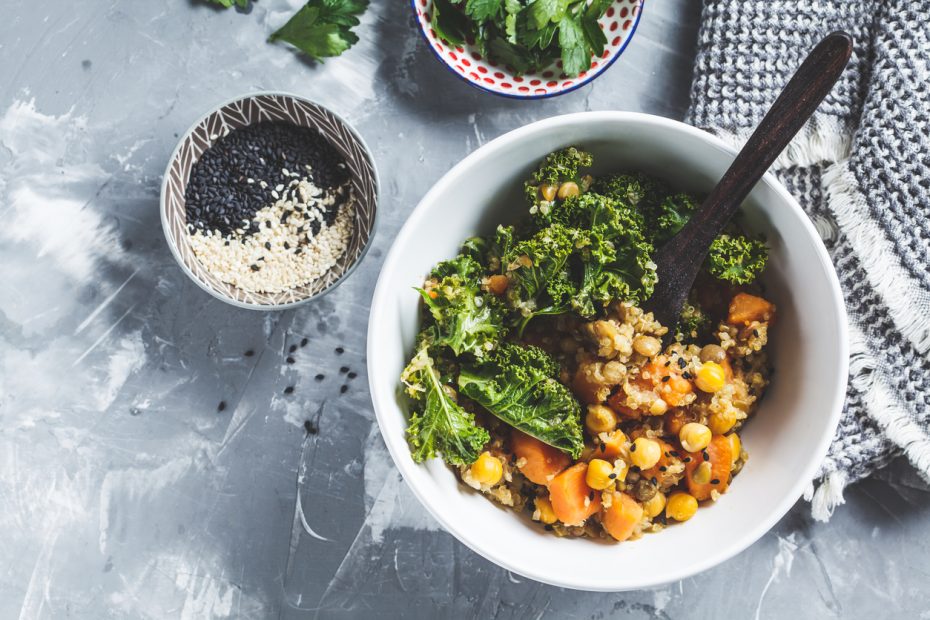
x=861 y=171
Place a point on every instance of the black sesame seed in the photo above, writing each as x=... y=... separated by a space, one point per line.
x=340 y=350
x=303 y=342
x=591 y=495
x=289 y=389
x=352 y=375
x=687 y=459
x=254 y=267
x=654 y=480
x=681 y=362
x=290 y=360
x=249 y=353
x=320 y=377
x=343 y=370
x=755 y=333
x=221 y=406
x=705 y=455
x=715 y=481
x=343 y=389
x=633 y=447
x=634 y=468
x=603 y=447
x=287 y=246
x=292 y=348
x=668 y=363
x=310 y=427
x=666 y=378
x=663 y=468
x=686 y=375
x=267 y=245
x=612 y=476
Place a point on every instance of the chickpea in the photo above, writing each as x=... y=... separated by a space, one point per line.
x=645 y=453
x=647 y=346
x=721 y=422
x=548 y=191
x=613 y=372
x=710 y=377
x=567 y=189
x=654 y=506
x=487 y=469
x=598 y=474
x=600 y=419
x=681 y=506
x=713 y=353
x=694 y=436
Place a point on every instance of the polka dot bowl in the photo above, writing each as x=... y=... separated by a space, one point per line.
x=249 y=110
x=618 y=23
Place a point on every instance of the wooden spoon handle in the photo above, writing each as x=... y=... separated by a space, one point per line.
x=680 y=259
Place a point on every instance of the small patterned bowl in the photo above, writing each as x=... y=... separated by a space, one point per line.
x=249 y=110
x=618 y=23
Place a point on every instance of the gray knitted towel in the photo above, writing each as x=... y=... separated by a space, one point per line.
x=861 y=170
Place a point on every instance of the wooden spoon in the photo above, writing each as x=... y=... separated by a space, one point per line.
x=679 y=260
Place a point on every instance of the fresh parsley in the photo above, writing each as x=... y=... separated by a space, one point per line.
x=322 y=28
x=228 y=4
x=526 y=35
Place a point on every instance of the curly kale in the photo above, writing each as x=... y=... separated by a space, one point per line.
x=517 y=384
x=538 y=272
x=671 y=215
x=634 y=189
x=736 y=258
x=464 y=319
x=438 y=424
x=558 y=167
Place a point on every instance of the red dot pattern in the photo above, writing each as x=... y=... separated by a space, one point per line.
x=619 y=21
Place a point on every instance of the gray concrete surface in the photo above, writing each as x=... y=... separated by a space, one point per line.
x=124 y=493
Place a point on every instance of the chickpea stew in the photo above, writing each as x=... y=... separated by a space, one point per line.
x=541 y=381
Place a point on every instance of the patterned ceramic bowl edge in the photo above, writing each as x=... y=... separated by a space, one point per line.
x=619 y=23
x=247 y=110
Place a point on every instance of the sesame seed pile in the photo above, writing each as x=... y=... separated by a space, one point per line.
x=269 y=207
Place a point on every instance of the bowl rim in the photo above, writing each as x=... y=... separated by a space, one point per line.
x=530 y=97
x=838 y=309
x=162 y=203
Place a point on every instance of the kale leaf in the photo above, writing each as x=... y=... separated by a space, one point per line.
x=517 y=384
x=540 y=282
x=736 y=258
x=558 y=167
x=464 y=319
x=438 y=425
x=322 y=28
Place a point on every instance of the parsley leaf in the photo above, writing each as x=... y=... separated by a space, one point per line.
x=483 y=9
x=543 y=12
x=449 y=23
x=322 y=28
x=576 y=57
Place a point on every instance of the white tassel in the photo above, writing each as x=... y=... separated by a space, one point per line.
x=907 y=301
x=823 y=139
x=827 y=496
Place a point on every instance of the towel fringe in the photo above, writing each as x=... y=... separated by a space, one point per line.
x=827 y=495
x=823 y=139
x=907 y=302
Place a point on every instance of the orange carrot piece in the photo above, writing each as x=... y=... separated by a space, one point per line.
x=572 y=499
x=622 y=517
x=721 y=462
x=746 y=308
x=543 y=462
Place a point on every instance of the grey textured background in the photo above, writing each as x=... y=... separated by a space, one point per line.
x=124 y=493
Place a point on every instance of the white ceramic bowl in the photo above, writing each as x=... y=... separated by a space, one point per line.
x=787 y=438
